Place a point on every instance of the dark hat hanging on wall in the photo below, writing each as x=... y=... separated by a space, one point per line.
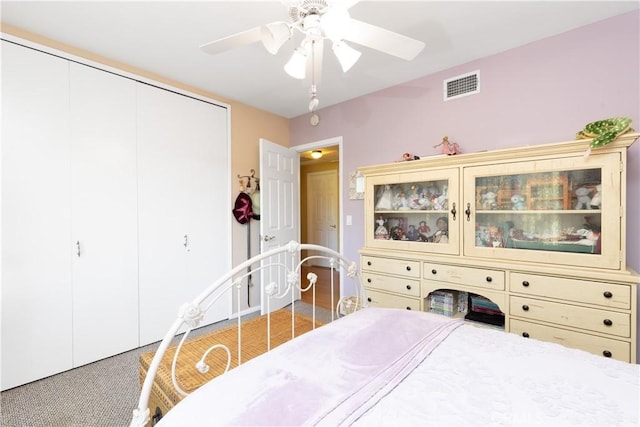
x=243 y=211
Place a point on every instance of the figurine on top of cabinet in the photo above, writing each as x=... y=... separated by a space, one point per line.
x=447 y=147
x=409 y=156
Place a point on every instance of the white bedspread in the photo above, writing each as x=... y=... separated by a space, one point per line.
x=476 y=376
x=480 y=376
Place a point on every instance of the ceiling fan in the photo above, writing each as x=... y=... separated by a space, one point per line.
x=320 y=20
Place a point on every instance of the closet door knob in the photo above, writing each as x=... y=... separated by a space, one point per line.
x=78 y=248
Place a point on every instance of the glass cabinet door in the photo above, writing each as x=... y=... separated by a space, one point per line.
x=415 y=211
x=564 y=211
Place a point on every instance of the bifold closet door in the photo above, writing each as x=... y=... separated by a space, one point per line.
x=184 y=211
x=36 y=247
x=104 y=214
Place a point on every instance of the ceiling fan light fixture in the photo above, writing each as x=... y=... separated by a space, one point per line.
x=316 y=154
x=336 y=23
x=274 y=35
x=296 y=66
x=347 y=56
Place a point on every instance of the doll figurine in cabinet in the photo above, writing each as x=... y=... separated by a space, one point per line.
x=381 y=230
x=584 y=201
x=442 y=233
x=423 y=231
x=596 y=200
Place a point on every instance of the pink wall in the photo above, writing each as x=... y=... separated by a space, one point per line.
x=539 y=93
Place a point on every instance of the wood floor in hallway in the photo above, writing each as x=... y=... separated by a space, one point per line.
x=323 y=287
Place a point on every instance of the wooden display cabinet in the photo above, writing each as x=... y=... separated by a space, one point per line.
x=539 y=231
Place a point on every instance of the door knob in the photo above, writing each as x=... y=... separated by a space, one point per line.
x=267 y=238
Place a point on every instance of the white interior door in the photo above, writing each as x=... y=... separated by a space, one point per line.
x=183 y=175
x=322 y=210
x=104 y=214
x=279 y=213
x=36 y=216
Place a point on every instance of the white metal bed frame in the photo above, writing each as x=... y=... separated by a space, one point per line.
x=287 y=259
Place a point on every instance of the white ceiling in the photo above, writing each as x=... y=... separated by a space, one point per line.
x=163 y=37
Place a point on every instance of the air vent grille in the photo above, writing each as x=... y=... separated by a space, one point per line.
x=463 y=85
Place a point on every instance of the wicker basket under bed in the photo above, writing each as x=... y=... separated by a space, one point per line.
x=254 y=342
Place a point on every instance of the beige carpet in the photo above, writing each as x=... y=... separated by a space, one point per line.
x=101 y=394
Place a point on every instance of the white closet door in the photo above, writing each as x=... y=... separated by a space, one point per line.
x=209 y=214
x=36 y=236
x=104 y=214
x=183 y=177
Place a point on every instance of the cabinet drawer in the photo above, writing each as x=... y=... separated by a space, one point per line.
x=467 y=276
x=615 y=349
x=395 y=284
x=591 y=319
x=391 y=266
x=382 y=299
x=584 y=291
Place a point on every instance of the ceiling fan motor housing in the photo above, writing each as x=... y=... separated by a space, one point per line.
x=306 y=8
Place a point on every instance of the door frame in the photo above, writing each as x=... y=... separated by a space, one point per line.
x=329 y=142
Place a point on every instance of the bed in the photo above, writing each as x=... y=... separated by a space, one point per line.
x=376 y=366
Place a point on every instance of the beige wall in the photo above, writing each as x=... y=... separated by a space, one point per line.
x=248 y=125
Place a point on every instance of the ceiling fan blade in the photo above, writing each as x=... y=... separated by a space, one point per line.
x=384 y=40
x=346 y=4
x=236 y=40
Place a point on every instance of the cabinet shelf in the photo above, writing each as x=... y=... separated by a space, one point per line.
x=541 y=212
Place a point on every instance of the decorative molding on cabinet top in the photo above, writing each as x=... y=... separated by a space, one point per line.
x=507 y=154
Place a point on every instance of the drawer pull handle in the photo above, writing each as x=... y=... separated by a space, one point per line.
x=607 y=294
x=369 y=280
x=468 y=211
x=408 y=268
x=525 y=307
x=454 y=211
x=408 y=308
x=525 y=334
x=525 y=283
x=607 y=353
x=607 y=322
x=369 y=299
x=434 y=271
x=408 y=287
x=489 y=279
x=369 y=263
